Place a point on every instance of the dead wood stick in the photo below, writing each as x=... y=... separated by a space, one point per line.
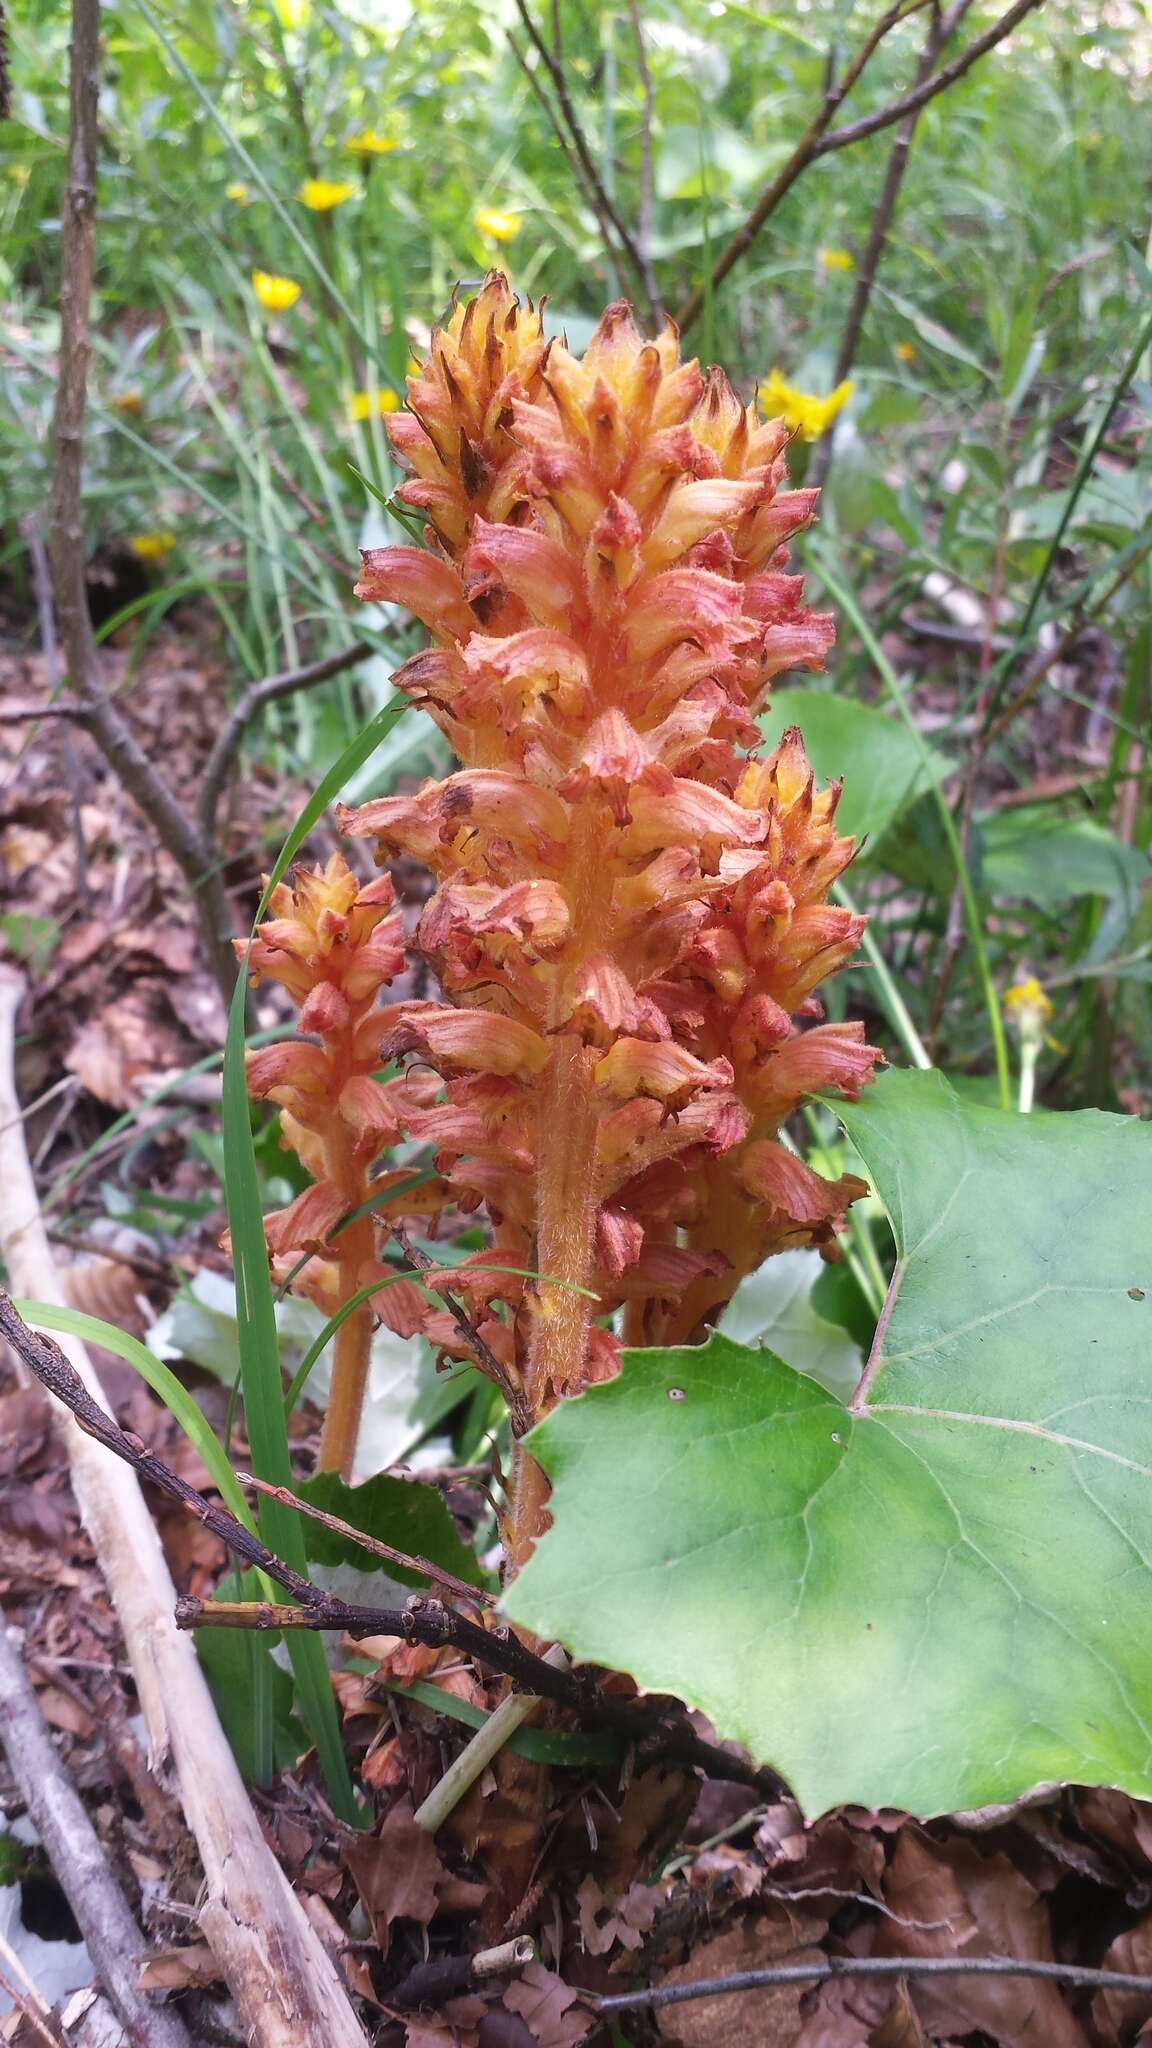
x=875 y=1966
x=223 y=756
x=114 y=1941
x=102 y=718
x=283 y=1982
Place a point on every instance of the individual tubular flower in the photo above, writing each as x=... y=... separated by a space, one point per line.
x=631 y=912
x=334 y=946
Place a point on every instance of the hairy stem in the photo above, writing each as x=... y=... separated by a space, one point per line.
x=352 y=1355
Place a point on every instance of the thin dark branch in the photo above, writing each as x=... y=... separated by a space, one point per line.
x=938 y=34
x=42 y=584
x=5 y=74
x=875 y=1966
x=870 y=124
x=561 y=135
x=112 y=734
x=24 y=714
x=644 y=210
x=606 y=211
x=223 y=756
x=652 y=1727
x=820 y=137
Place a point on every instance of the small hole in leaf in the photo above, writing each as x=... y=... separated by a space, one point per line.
x=836 y=1437
x=676 y=1394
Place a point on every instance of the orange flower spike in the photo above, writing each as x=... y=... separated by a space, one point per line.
x=631 y=913
x=333 y=945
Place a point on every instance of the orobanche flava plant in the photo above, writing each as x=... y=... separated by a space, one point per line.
x=631 y=917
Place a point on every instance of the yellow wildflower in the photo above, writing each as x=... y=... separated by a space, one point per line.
x=152 y=547
x=806 y=412
x=369 y=143
x=238 y=191
x=362 y=404
x=127 y=402
x=904 y=352
x=275 y=294
x=320 y=195
x=19 y=173
x=1028 y=1005
x=495 y=222
x=837 y=259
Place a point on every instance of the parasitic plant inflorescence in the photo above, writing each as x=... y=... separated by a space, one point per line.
x=631 y=914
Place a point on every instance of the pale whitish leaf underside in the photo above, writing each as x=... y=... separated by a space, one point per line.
x=941 y=1595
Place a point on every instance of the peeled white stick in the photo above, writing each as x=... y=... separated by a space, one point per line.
x=114 y=1941
x=285 y=1985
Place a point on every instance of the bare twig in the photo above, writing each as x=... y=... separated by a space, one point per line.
x=285 y=1986
x=5 y=75
x=560 y=134
x=112 y=734
x=644 y=210
x=942 y=28
x=607 y=212
x=114 y=1941
x=434 y=1573
x=875 y=1966
x=821 y=138
x=23 y=714
x=42 y=584
x=223 y=756
x=870 y=124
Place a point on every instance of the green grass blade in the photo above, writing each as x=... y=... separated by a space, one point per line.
x=255 y=1309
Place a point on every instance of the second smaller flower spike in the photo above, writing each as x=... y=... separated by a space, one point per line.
x=334 y=945
x=632 y=915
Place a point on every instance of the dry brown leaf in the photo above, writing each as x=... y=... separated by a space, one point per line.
x=60 y=1710
x=130 y=1038
x=988 y=1908
x=104 y=1287
x=34 y=1514
x=900 y=2027
x=548 y=2007
x=455 y=2026
x=745 y=2020
x=397 y=1872
x=1119 y=2013
x=178 y=1969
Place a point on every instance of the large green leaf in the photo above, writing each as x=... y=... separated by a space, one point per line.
x=938 y=1596
x=884 y=765
x=1039 y=854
